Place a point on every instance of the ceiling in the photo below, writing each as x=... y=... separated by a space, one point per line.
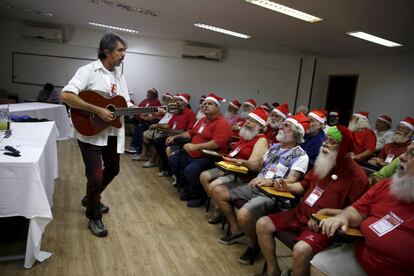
x=270 y=31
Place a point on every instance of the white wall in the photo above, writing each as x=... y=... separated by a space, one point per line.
x=158 y=63
x=385 y=84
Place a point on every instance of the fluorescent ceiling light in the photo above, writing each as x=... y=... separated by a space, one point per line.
x=285 y=10
x=374 y=39
x=220 y=30
x=113 y=27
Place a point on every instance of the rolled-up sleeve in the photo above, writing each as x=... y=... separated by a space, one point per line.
x=78 y=82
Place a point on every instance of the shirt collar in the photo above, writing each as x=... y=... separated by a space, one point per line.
x=98 y=65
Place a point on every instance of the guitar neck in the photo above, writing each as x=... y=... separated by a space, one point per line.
x=136 y=110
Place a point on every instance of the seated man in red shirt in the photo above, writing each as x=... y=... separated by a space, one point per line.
x=364 y=138
x=182 y=121
x=251 y=146
x=401 y=139
x=211 y=132
x=335 y=181
x=276 y=118
x=231 y=115
x=385 y=216
x=247 y=107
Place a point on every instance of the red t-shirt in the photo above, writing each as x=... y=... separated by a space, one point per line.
x=351 y=183
x=240 y=123
x=243 y=148
x=363 y=140
x=150 y=102
x=393 y=149
x=217 y=129
x=393 y=252
x=182 y=121
x=271 y=134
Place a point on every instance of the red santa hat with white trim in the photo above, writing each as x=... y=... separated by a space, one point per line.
x=265 y=106
x=183 y=96
x=408 y=122
x=214 y=98
x=260 y=115
x=318 y=115
x=362 y=115
x=250 y=102
x=282 y=110
x=235 y=103
x=385 y=118
x=168 y=95
x=300 y=121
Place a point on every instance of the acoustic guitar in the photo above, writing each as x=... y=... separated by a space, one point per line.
x=90 y=124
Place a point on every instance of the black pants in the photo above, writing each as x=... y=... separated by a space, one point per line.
x=98 y=176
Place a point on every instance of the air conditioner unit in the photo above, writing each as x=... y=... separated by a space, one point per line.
x=45 y=34
x=203 y=52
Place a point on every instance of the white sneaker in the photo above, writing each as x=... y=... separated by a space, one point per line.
x=138 y=157
x=174 y=181
x=131 y=150
x=162 y=173
x=149 y=164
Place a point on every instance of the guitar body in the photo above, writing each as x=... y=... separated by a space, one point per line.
x=89 y=124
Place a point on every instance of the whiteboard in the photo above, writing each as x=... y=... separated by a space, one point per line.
x=37 y=69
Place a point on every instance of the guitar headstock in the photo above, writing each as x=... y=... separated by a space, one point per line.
x=174 y=107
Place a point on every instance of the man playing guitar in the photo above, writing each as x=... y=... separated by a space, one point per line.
x=104 y=76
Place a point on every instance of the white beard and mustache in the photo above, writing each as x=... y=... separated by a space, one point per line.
x=402 y=187
x=200 y=114
x=282 y=137
x=360 y=124
x=273 y=124
x=244 y=114
x=400 y=139
x=249 y=133
x=325 y=162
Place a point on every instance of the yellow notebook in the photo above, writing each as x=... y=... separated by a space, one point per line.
x=273 y=191
x=232 y=167
x=349 y=232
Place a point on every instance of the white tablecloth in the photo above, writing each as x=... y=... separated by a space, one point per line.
x=52 y=112
x=27 y=182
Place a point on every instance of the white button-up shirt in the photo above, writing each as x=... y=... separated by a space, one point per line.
x=94 y=76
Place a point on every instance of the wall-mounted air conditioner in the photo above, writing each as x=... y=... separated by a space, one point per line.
x=45 y=34
x=203 y=52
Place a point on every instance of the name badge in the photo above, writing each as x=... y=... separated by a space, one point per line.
x=234 y=152
x=201 y=129
x=386 y=224
x=314 y=196
x=389 y=158
x=281 y=170
x=271 y=172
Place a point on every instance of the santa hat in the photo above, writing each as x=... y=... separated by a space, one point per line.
x=250 y=102
x=235 y=103
x=345 y=137
x=167 y=95
x=362 y=115
x=408 y=122
x=214 y=98
x=275 y=104
x=282 y=110
x=265 y=106
x=334 y=113
x=318 y=115
x=153 y=90
x=386 y=119
x=183 y=96
x=260 y=115
x=300 y=121
x=203 y=97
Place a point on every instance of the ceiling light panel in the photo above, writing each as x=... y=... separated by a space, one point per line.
x=112 y=4
x=26 y=10
x=220 y=30
x=105 y=26
x=285 y=10
x=374 y=39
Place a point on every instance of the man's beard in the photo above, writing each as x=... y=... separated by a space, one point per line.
x=200 y=114
x=400 y=139
x=283 y=137
x=273 y=124
x=361 y=124
x=229 y=115
x=249 y=133
x=402 y=187
x=244 y=114
x=312 y=130
x=325 y=162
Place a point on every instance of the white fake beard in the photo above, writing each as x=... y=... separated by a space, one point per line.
x=402 y=187
x=360 y=124
x=400 y=139
x=249 y=133
x=273 y=124
x=282 y=137
x=244 y=114
x=325 y=162
x=352 y=126
x=200 y=114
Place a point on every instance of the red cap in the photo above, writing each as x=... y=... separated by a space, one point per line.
x=168 y=95
x=260 y=115
x=318 y=115
x=409 y=122
x=361 y=114
x=282 y=110
x=235 y=103
x=214 y=98
x=386 y=119
x=300 y=121
x=250 y=102
x=265 y=106
x=183 y=96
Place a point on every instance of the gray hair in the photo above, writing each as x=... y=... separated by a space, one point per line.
x=109 y=42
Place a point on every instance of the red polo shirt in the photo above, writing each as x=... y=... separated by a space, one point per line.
x=271 y=134
x=243 y=148
x=217 y=129
x=182 y=121
x=363 y=140
x=393 y=149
